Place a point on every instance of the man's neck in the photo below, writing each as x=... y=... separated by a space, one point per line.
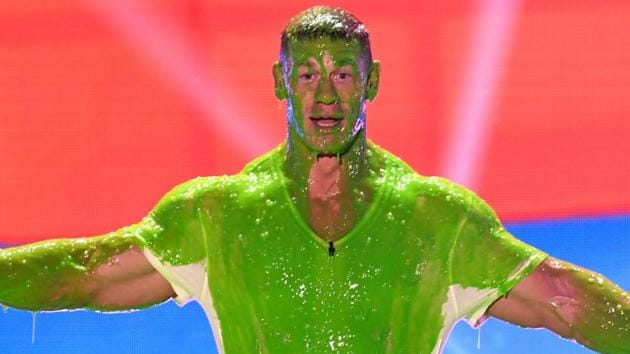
x=330 y=191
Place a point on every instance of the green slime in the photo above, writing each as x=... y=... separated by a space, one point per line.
x=55 y=274
x=274 y=284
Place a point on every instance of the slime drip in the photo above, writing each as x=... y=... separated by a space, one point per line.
x=33 y=327
x=479 y=338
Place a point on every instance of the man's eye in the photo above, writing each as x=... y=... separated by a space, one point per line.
x=307 y=77
x=342 y=77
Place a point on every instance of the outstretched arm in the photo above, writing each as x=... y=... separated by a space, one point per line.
x=104 y=273
x=109 y=272
x=572 y=302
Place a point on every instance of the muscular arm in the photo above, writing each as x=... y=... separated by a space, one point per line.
x=104 y=273
x=108 y=272
x=572 y=302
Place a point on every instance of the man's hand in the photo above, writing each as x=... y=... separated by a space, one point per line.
x=572 y=302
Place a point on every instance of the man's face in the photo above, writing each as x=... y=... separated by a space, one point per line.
x=326 y=86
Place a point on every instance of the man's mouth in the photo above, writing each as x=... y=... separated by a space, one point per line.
x=325 y=122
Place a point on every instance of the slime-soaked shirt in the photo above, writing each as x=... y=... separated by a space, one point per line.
x=426 y=254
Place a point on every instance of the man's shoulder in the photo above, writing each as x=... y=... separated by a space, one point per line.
x=268 y=163
x=399 y=176
x=195 y=188
x=431 y=191
x=256 y=175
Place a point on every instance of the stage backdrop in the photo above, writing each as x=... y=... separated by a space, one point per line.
x=105 y=105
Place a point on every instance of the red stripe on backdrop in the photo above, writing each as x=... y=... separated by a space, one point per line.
x=100 y=115
x=562 y=140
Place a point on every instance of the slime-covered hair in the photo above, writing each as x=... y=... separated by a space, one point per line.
x=324 y=21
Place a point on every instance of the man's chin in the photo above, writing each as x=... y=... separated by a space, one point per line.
x=330 y=145
x=329 y=148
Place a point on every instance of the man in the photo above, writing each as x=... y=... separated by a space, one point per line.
x=327 y=243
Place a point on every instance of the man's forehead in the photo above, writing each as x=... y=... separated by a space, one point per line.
x=341 y=51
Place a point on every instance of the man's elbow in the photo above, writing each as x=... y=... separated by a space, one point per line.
x=560 y=317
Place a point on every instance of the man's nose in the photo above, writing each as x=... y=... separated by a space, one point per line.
x=326 y=93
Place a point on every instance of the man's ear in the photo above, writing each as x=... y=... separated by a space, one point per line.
x=374 y=76
x=278 y=82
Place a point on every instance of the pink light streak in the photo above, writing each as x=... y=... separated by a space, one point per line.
x=172 y=56
x=468 y=143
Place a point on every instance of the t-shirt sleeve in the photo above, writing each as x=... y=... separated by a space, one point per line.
x=174 y=244
x=486 y=261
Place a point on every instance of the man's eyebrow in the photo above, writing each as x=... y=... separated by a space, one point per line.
x=345 y=61
x=301 y=62
x=308 y=62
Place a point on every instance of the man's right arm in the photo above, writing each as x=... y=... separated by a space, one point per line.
x=110 y=272
x=106 y=273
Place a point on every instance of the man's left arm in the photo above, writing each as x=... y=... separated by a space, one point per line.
x=573 y=302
